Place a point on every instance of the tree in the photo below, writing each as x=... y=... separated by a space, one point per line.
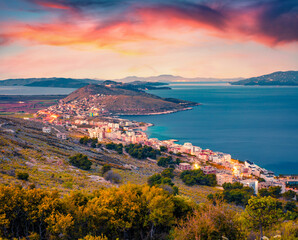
x=209 y=222
x=168 y=172
x=290 y=206
x=164 y=161
x=81 y=161
x=163 y=148
x=288 y=195
x=263 y=192
x=262 y=212
x=275 y=191
x=192 y=177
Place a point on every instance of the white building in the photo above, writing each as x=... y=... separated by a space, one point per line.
x=251 y=183
x=98 y=133
x=61 y=136
x=46 y=129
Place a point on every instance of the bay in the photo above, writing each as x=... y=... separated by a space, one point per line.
x=255 y=123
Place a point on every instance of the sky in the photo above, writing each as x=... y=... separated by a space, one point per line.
x=109 y=39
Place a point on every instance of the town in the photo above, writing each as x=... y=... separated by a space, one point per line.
x=88 y=119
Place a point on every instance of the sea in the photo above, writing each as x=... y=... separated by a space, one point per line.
x=255 y=123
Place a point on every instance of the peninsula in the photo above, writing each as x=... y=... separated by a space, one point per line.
x=112 y=98
x=288 y=78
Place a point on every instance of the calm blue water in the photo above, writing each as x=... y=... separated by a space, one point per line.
x=22 y=90
x=259 y=124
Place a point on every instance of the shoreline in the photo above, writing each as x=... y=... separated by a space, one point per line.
x=158 y=113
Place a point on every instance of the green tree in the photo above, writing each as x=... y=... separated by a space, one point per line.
x=163 y=149
x=168 y=172
x=262 y=212
x=289 y=195
x=81 y=161
x=275 y=191
x=263 y=192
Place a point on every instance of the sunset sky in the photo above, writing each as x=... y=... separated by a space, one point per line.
x=109 y=39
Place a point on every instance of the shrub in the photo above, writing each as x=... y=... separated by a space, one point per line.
x=192 y=177
x=165 y=161
x=105 y=168
x=23 y=176
x=112 y=177
x=81 y=161
x=141 y=152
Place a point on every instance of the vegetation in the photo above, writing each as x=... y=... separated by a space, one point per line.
x=127 y=212
x=262 y=212
x=234 y=193
x=81 y=161
x=141 y=152
x=112 y=177
x=105 y=168
x=289 y=195
x=163 y=149
x=271 y=191
x=117 y=147
x=167 y=161
x=166 y=183
x=168 y=173
x=197 y=177
x=23 y=176
x=93 y=142
x=210 y=222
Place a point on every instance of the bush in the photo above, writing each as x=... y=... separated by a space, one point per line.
x=81 y=161
x=197 y=177
x=209 y=222
x=112 y=177
x=141 y=152
x=23 y=176
x=237 y=193
x=168 y=172
x=163 y=182
x=115 y=147
x=105 y=168
x=163 y=149
x=165 y=161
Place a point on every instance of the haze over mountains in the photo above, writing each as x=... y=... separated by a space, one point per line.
x=77 y=83
x=288 y=78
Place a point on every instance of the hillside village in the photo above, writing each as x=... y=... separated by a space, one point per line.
x=94 y=122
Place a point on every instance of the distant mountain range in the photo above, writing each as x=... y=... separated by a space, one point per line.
x=289 y=78
x=77 y=83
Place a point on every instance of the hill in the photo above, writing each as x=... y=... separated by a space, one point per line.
x=119 y=100
x=49 y=82
x=289 y=78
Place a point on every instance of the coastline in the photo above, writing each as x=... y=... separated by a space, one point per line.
x=158 y=113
